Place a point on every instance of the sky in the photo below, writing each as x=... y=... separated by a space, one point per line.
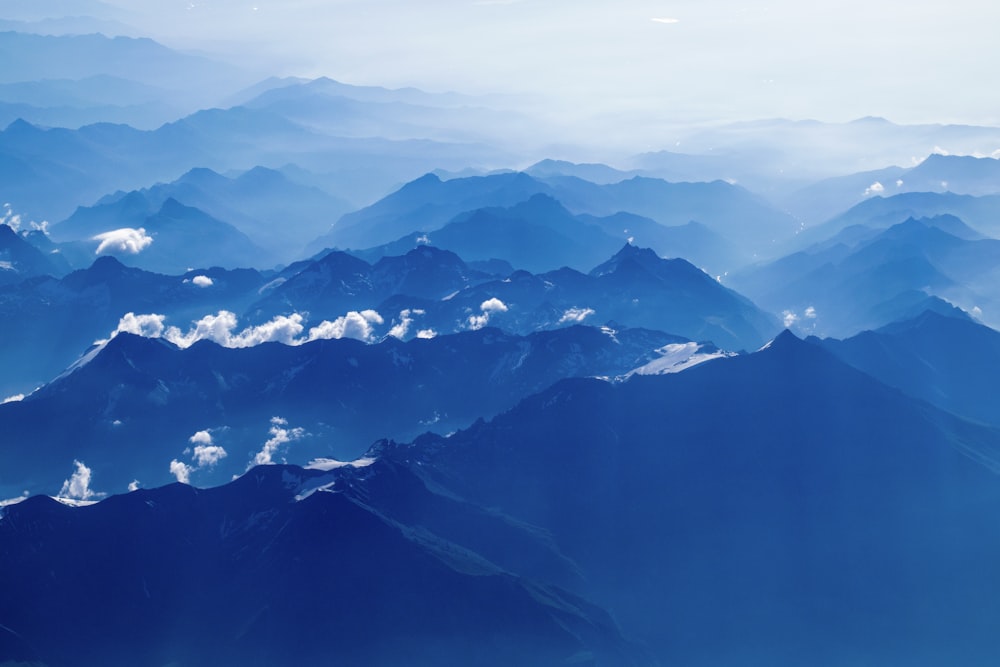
x=638 y=59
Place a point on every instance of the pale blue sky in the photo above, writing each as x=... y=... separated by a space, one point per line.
x=721 y=59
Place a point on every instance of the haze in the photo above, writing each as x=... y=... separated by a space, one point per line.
x=651 y=61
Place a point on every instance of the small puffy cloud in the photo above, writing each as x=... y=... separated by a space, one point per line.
x=181 y=471
x=493 y=305
x=788 y=318
x=201 y=438
x=133 y=485
x=875 y=188
x=205 y=453
x=487 y=308
x=576 y=315
x=402 y=327
x=202 y=281
x=126 y=239
x=149 y=326
x=427 y=334
x=352 y=325
x=208 y=455
x=280 y=435
x=77 y=487
x=810 y=313
x=977 y=312
x=899 y=182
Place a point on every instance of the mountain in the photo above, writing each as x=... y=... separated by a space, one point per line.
x=47 y=173
x=638 y=289
x=757 y=507
x=166 y=238
x=947 y=360
x=536 y=235
x=35 y=57
x=46 y=323
x=866 y=278
x=343 y=393
x=273 y=211
x=203 y=577
x=980 y=212
x=429 y=203
x=945 y=175
x=20 y=260
x=344 y=110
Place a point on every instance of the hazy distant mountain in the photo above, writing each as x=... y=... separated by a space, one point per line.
x=201 y=578
x=33 y=57
x=864 y=279
x=593 y=172
x=166 y=237
x=77 y=102
x=343 y=393
x=980 y=212
x=19 y=260
x=368 y=111
x=777 y=157
x=712 y=531
x=45 y=324
x=944 y=174
x=428 y=203
x=46 y=174
x=274 y=212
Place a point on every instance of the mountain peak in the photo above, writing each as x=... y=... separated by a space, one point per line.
x=784 y=341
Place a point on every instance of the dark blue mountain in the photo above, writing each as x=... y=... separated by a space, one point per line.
x=270 y=570
x=344 y=393
x=759 y=507
x=46 y=323
x=945 y=359
x=647 y=292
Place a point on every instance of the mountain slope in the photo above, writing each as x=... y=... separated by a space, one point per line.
x=249 y=573
x=754 y=508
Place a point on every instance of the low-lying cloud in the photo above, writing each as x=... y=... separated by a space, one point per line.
x=77 y=487
x=486 y=309
x=221 y=328
x=124 y=240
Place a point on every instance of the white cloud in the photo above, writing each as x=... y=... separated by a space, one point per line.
x=133 y=485
x=12 y=399
x=875 y=188
x=352 y=325
x=208 y=455
x=77 y=487
x=279 y=436
x=201 y=438
x=333 y=464
x=669 y=21
x=487 y=308
x=576 y=315
x=427 y=334
x=149 y=326
x=810 y=313
x=899 y=182
x=202 y=281
x=126 y=239
x=181 y=471
x=402 y=327
x=789 y=318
